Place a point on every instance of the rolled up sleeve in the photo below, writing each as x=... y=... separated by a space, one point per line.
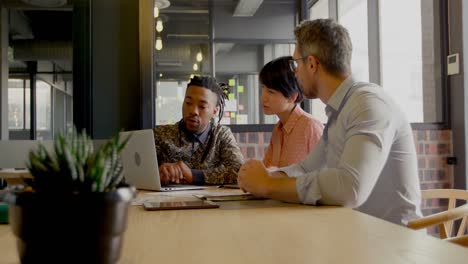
x=306 y=173
x=308 y=189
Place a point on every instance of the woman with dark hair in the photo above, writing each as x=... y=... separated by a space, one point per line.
x=296 y=132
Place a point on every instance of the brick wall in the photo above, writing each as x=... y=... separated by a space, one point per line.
x=253 y=144
x=432 y=146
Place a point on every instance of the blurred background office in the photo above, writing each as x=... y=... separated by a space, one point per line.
x=107 y=65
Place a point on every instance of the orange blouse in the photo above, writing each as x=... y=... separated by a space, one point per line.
x=290 y=143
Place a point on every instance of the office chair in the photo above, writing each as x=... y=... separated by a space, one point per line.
x=445 y=220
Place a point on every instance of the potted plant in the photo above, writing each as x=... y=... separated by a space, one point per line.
x=75 y=207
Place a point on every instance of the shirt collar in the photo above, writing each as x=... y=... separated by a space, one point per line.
x=203 y=136
x=335 y=100
x=296 y=114
x=192 y=136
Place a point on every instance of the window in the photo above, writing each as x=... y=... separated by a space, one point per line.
x=47 y=55
x=239 y=65
x=43 y=107
x=415 y=61
x=352 y=14
x=16 y=104
x=407 y=51
x=169 y=101
x=19 y=104
x=235 y=44
x=53 y=108
x=182 y=49
x=319 y=10
x=236 y=48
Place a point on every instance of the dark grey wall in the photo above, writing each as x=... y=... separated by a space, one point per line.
x=258 y=26
x=116 y=66
x=107 y=90
x=457 y=15
x=241 y=59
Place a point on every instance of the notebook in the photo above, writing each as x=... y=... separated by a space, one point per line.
x=178 y=205
x=140 y=163
x=228 y=197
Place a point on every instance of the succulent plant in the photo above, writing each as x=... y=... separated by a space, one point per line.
x=74 y=167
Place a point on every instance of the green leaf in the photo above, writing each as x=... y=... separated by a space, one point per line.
x=74 y=165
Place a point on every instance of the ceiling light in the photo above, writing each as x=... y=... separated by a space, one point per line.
x=158 y=5
x=247 y=7
x=159 y=25
x=161 y=4
x=160 y=75
x=199 y=56
x=159 y=44
x=156 y=12
x=195 y=67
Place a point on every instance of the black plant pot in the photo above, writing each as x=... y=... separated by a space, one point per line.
x=71 y=228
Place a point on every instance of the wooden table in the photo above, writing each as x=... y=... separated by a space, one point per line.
x=265 y=232
x=15 y=176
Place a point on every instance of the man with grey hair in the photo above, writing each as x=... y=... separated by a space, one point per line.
x=366 y=158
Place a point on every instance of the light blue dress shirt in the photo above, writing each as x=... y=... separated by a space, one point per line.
x=367 y=160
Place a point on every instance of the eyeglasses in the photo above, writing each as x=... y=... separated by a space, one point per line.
x=293 y=64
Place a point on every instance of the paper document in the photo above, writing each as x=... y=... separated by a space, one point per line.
x=228 y=197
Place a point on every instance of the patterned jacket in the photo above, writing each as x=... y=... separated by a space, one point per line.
x=219 y=157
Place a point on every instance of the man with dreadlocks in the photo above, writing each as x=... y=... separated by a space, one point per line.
x=197 y=149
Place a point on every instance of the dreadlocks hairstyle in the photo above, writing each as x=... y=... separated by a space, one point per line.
x=220 y=89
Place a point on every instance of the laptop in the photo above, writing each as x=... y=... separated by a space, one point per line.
x=140 y=163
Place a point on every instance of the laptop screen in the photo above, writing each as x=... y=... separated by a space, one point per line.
x=139 y=160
